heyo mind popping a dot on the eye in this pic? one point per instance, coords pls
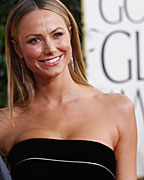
(58, 34)
(34, 40)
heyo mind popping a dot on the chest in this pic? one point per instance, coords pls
(67, 122)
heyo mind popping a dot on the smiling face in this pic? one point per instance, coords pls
(44, 43)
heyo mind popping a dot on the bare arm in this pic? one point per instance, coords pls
(126, 149)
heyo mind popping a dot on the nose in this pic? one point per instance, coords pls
(49, 47)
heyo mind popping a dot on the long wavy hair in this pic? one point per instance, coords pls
(20, 94)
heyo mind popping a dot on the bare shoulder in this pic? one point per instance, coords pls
(122, 109)
(4, 116)
(119, 101)
(121, 104)
(116, 101)
(4, 122)
(116, 105)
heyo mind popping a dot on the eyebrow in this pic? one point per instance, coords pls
(40, 34)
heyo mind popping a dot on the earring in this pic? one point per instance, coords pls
(23, 78)
(72, 63)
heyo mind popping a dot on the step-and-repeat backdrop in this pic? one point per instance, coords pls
(114, 48)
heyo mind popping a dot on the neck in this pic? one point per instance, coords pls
(56, 90)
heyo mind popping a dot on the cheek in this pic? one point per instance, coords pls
(32, 52)
(65, 44)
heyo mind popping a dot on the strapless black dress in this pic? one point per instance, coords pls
(41, 158)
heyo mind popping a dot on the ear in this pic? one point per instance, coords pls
(17, 49)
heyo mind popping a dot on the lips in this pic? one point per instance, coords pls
(51, 61)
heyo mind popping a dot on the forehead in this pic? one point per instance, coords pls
(41, 18)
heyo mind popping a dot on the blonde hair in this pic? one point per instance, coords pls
(20, 94)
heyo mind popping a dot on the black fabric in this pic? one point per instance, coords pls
(41, 157)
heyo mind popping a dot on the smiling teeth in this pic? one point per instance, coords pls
(52, 60)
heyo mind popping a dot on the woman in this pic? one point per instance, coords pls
(56, 123)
